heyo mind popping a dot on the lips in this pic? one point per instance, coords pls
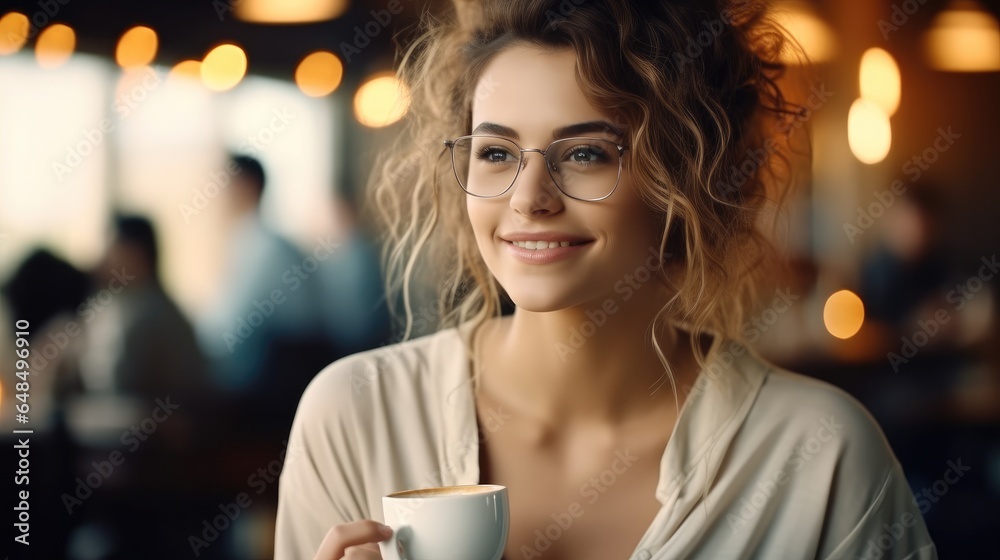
(537, 244)
(541, 247)
(548, 236)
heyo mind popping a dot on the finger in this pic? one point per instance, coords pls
(363, 552)
(340, 537)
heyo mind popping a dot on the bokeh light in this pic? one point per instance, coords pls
(880, 81)
(137, 47)
(13, 32)
(843, 314)
(319, 74)
(811, 33)
(381, 101)
(190, 69)
(289, 11)
(223, 67)
(869, 133)
(55, 45)
(964, 38)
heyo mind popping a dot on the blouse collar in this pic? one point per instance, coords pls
(712, 414)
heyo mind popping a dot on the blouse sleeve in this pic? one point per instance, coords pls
(891, 529)
(872, 512)
(320, 484)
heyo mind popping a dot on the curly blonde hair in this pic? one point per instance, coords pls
(695, 85)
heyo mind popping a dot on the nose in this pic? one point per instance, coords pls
(534, 193)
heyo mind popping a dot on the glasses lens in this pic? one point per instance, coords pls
(485, 165)
(585, 168)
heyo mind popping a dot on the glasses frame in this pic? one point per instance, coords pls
(520, 164)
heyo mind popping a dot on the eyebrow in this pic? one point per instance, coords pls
(563, 132)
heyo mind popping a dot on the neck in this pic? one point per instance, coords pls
(587, 365)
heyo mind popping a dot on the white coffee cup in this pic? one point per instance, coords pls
(447, 523)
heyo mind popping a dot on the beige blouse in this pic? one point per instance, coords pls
(793, 467)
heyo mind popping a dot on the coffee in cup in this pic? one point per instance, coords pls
(447, 523)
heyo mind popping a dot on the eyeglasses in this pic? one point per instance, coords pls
(586, 169)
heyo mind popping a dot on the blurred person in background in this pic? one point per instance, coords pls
(140, 342)
(46, 291)
(43, 287)
(264, 331)
(265, 302)
(355, 313)
(146, 396)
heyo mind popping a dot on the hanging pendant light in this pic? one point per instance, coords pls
(963, 38)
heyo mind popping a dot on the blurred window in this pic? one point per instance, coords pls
(79, 140)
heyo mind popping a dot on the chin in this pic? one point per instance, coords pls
(543, 299)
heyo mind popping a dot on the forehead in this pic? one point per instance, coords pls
(532, 90)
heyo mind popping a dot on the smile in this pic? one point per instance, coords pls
(544, 252)
(535, 245)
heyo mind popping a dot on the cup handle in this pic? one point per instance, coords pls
(397, 544)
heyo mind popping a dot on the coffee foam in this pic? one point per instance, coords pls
(442, 491)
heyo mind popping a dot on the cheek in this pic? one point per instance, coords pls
(473, 211)
(633, 219)
(481, 220)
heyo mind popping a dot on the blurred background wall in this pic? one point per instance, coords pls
(130, 244)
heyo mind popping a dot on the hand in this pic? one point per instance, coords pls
(353, 541)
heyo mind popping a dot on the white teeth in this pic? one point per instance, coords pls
(541, 244)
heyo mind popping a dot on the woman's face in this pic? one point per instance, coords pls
(528, 95)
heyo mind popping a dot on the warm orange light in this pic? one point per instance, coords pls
(289, 11)
(802, 22)
(13, 32)
(223, 67)
(55, 45)
(869, 133)
(190, 69)
(880, 80)
(319, 74)
(137, 47)
(964, 38)
(381, 101)
(843, 314)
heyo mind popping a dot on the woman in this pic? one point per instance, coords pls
(584, 179)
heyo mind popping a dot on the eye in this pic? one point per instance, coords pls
(495, 154)
(586, 154)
